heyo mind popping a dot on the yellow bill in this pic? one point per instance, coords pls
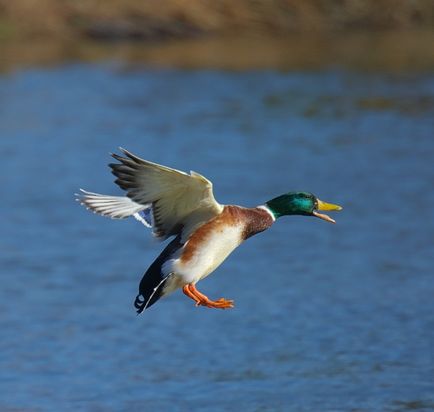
(323, 206)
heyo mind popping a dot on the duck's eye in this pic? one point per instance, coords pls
(315, 205)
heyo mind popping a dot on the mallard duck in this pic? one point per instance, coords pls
(182, 206)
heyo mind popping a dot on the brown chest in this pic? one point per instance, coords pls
(245, 221)
(256, 220)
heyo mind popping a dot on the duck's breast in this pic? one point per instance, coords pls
(210, 244)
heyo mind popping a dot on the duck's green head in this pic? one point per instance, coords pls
(300, 203)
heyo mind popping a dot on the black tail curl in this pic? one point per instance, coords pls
(139, 303)
(152, 284)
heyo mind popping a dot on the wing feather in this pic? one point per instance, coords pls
(178, 199)
(115, 207)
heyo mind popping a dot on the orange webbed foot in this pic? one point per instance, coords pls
(203, 300)
(224, 303)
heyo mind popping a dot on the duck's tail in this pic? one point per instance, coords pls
(115, 207)
(152, 285)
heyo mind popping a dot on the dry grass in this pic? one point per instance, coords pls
(159, 19)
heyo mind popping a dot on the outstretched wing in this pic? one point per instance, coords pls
(174, 195)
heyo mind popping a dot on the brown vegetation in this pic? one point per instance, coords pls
(161, 19)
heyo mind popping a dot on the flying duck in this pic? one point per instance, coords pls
(181, 206)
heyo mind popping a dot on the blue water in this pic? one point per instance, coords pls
(327, 317)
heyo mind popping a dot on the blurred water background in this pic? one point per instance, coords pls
(327, 317)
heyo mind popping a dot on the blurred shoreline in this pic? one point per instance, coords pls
(174, 19)
(385, 51)
(390, 35)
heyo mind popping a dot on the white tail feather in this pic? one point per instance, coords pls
(115, 207)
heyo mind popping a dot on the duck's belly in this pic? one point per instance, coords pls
(210, 244)
(202, 255)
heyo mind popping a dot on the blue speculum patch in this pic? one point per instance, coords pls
(147, 215)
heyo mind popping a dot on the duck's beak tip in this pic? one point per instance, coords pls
(328, 207)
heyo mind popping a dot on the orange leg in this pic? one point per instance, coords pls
(187, 292)
(203, 300)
